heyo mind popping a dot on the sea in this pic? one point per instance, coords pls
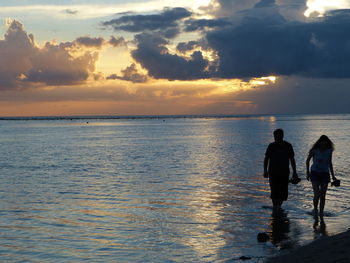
(160, 188)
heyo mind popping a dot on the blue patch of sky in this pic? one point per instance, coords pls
(60, 30)
(45, 26)
(66, 2)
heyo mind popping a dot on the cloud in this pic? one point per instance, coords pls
(90, 41)
(319, 7)
(165, 23)
(97, 42)
(15, 51)
(106, 99)
(24, 64)
(153, 55)
(70, 11)
(298, 95)
(54, 65)
(113, 91)
(97, 10)
(265, 3)
(225, 8)
(274, 46)
(201, 24)
(262, 42)
(130, 74)
(290, 9)
(117, 42)
(183, 47)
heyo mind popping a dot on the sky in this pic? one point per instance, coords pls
(158, 57)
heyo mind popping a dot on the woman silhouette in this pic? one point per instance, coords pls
(321, 169)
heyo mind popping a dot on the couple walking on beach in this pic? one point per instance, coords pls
(280, 154)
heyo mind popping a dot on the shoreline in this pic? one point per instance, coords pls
(324, 250)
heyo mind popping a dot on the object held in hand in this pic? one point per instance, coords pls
(336, 183)
(263, 237)
(295, 180)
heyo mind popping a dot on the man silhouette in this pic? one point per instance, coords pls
(276, 168)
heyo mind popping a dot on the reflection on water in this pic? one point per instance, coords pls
(281, 235)
(148, 190)
(320, 228)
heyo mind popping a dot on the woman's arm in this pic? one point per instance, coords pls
(308, 166)
(331, 168)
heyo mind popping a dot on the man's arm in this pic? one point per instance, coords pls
(292, 162)
(308, 166)
(266, 163)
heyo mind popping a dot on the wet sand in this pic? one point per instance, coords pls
(323, 250)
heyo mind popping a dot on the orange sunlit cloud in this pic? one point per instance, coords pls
(123, 98)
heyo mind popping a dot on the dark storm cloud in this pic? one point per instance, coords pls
(275, 46)
(259, 47)
(153, 55)
(90, 41)
(130, 74)
(201, 24)
(253, 42)
(183, 47)
(165, 22)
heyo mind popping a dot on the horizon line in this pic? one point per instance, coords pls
(160, 116)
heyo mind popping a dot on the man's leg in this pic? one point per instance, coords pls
(277, 203)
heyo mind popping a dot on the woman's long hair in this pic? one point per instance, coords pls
(323, 138)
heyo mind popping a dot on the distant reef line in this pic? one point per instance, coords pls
(268, 117)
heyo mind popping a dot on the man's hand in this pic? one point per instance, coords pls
(308, 175)
(266, 175)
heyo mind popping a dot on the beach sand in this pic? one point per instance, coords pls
(323, 250)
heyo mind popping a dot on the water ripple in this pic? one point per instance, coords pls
(184, 190)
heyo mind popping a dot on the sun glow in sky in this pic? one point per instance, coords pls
(321, 6)
(200, 3)
(117, 57)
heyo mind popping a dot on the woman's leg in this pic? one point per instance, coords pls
(323, 191)
(316, 189)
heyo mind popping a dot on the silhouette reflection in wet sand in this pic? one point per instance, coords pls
(280, 234)
(320, 228)
(285, 235)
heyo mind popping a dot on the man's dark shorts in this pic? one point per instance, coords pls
(279, 185)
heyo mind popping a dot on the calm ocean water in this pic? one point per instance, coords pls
(158, 190)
